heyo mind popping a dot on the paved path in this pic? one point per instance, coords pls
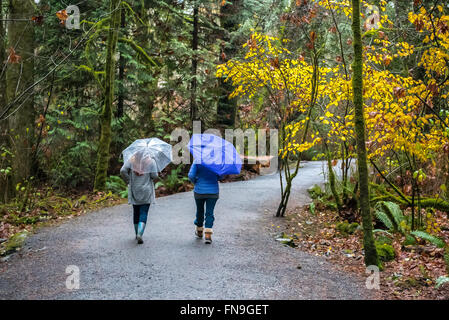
(244, 261)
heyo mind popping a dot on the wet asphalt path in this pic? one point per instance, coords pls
(244, 261)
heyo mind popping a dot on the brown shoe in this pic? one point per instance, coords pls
(208, 236)
(199, 232)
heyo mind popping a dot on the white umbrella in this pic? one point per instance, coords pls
(148, 155)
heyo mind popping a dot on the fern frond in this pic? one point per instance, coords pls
(382, 231)
(385, 219)
(446, 259)
(394, 211)
(441, 280)
(428, 237)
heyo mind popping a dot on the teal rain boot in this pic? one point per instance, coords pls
(136, 226)
(140, 230)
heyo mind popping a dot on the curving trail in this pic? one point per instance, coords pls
(244, 261)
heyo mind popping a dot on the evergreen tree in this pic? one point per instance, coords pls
(230, 19)
(19, 80)
(106, 116)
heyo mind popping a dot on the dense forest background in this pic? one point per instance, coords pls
(53, 79)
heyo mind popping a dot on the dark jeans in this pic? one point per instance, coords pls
(141, 213)
(210, 205)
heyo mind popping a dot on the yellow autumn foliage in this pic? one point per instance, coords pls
(398, 108)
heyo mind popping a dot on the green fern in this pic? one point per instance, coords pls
(117, 186)
(441, 280)
(382, 231)
(312, 208)
(385, 219)
(394, 214)
(428, 237)
(173, 180)
(394, 211)
(158, 184)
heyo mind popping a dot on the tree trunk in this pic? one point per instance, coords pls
(3, 124)
(148, 90)
(121, 76)
(194, 83)
(106, 115)
(229, 20)
(447, 178)
(2, 59)
(371, 257)
(285, 193)
(19, 77)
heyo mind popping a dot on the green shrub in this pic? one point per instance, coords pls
(346, 228)
(315, 192)
(74, 166)
(173, 180)
(382, 239)
(385, 251)
(116, 185)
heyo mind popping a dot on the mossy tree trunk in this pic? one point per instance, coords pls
(121, 75)
(447, 178)
(2, 59)
(106, 115)
(371, 257)
(194, 82)
(19, 77)
(119, 113)
(3, 124)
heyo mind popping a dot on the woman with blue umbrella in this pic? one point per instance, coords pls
(213, 159)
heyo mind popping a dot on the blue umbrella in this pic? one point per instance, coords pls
(215, 153)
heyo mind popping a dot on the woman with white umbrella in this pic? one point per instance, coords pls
(142, 161)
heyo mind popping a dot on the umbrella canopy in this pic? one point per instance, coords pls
(215, 153)
(148, 155)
